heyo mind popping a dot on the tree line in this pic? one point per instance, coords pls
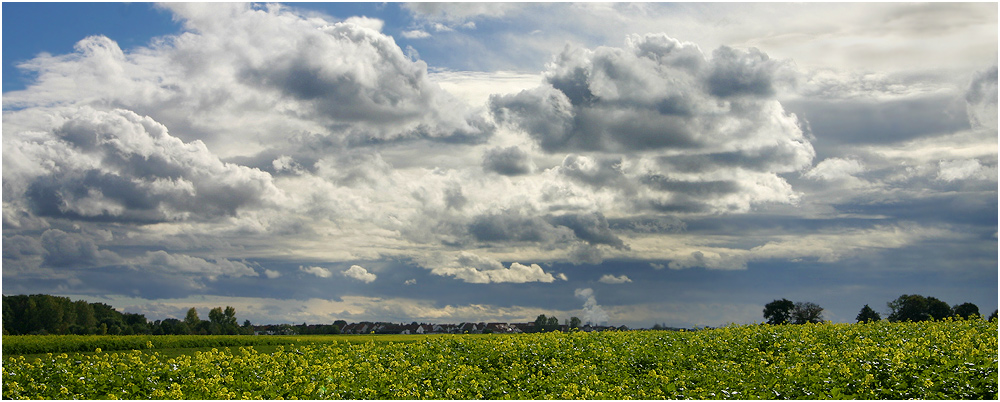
(904, 308)
(45, 314)
(549, 324)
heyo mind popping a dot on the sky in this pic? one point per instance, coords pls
(680, 164)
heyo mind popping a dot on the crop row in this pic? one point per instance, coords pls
(927, 360)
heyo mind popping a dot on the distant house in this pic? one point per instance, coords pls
(502, 328)
(470, 328)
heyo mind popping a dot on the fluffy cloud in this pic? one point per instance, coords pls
(652, 95)
(318, 271)
(119, 166)
(510, 161)
(835, 169)
(359, 273)
(62, 249)
(345, 82)
(525, 225)
(473, 268)
(960, 170)
(614, 280)
(715, 135)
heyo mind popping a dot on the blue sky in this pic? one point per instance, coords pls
(681, 164)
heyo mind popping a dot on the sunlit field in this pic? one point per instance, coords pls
(927, 360)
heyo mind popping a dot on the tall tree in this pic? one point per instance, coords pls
(553, 324)
(50, 314)
(540, 322)
(807, 312)
(966, 310)
(867, 314)
(85, 318)
(778, 311)
(191, 319)
(574, 322)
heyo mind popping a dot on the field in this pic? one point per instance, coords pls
(927, 360)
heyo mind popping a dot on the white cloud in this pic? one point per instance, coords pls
(614, 280)
(960, 170)
(415, 34)
(118, 165)
(370, 23)
(185, 264)
(271, 274)
(359, 273)
(410, 282)
(714, 134)
(473, 268)
(318, 271)
(459, 13)
(835, 169)
(338, 81)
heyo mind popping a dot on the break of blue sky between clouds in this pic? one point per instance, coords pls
(630, 163)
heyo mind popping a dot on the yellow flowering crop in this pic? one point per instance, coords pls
(928, 360)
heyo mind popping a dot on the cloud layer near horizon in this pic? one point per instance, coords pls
(268, 152)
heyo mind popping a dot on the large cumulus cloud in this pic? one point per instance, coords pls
(119, 166)
(261, 74)
(690, 131)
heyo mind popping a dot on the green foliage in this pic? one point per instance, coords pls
(45, 314)
(966, 310)
(807, 312)
(867, 314)
(778, 311)
(918, 308)
(950, 359)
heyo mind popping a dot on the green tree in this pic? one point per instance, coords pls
(937, 309)
(574, 322)
(778, 311)
(867, 314)
(908, 308)
(227, 323)
(111, 318)
(807, 312)
(917, 308)
(993, 316)
(136, 323)
(552, 324)
(191, 319)
(50, 314)
(540, 322)
(85, 318)
(966, 310)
